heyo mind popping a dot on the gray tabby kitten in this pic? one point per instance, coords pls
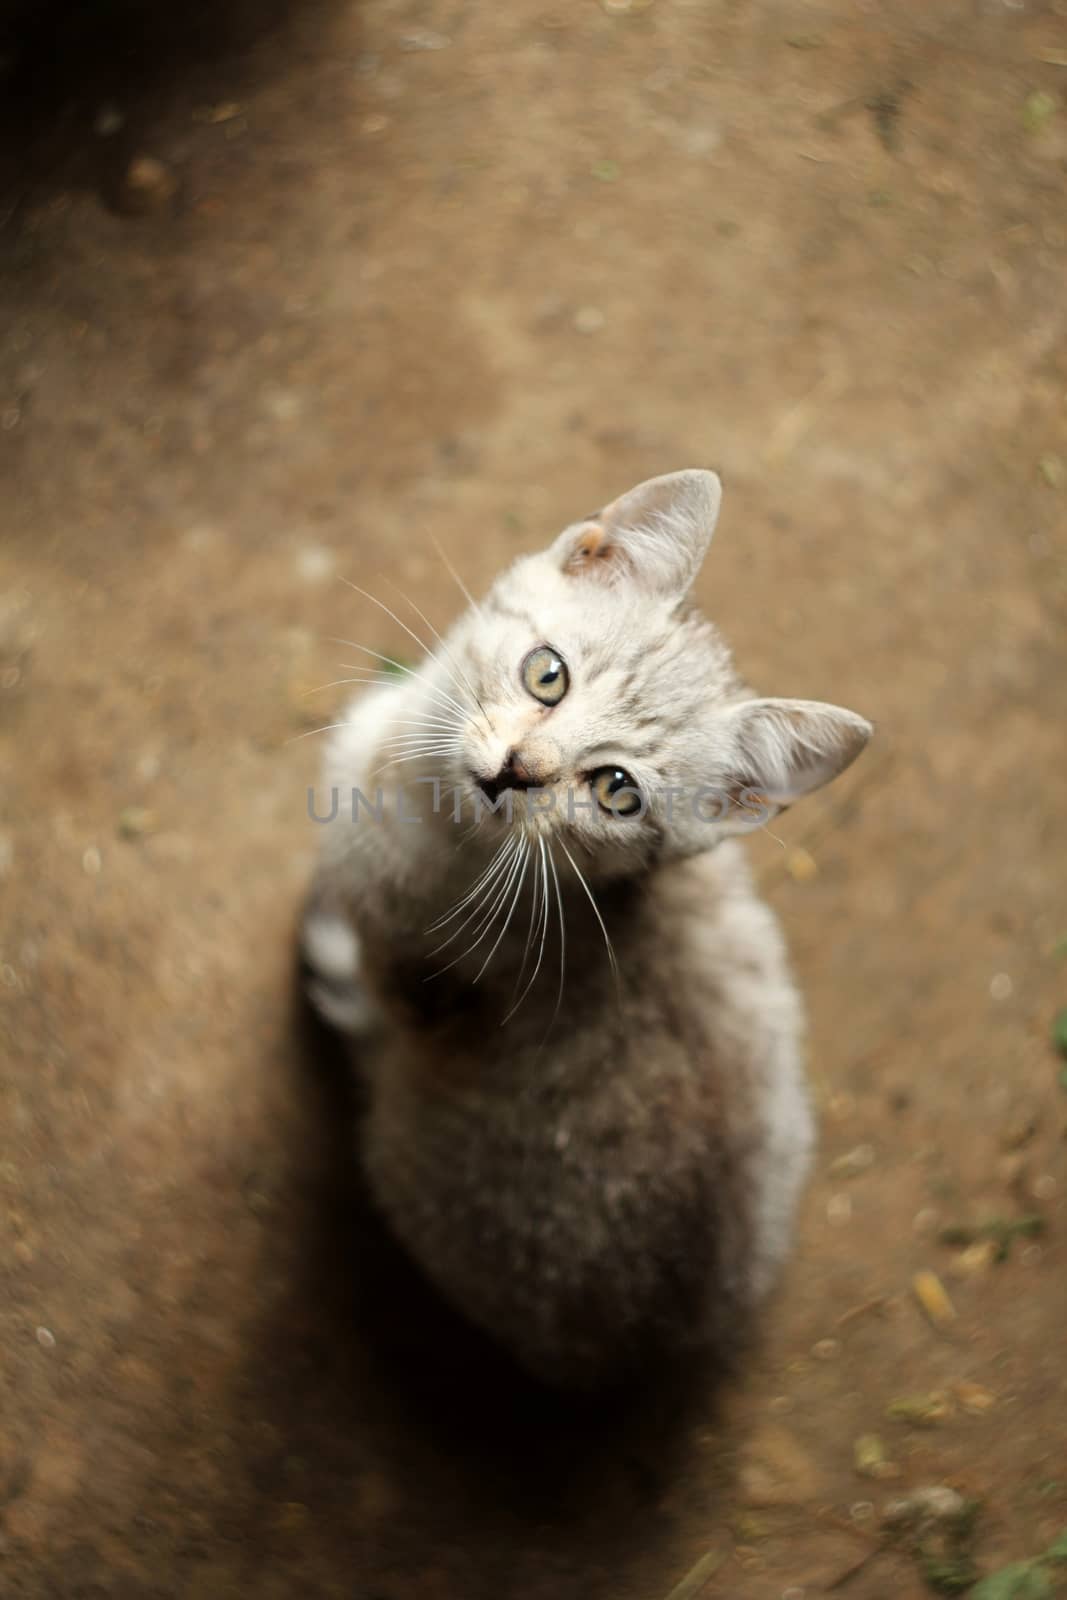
(588, 1120)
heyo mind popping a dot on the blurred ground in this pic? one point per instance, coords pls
(472, 269)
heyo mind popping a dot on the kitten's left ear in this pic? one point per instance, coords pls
(655, 535)
(778, 750)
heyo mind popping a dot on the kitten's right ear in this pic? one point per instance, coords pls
(655, 535)
(775, 751)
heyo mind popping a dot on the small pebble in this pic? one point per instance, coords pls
(1031, 1255)
(801, 865)
(920, 1410)
(859, 1160)
(314, 563)
(862, 1511)
(589, 319)
(375, 123)
(1038, 109)
(91, 861)
(135, 821)
(826, 1349)
(225, 112)
(839, 1210)
(975, 1260)
(869, 1457)
(927, 1220)
(974, 1398)
(147, 185)
(1053, 469)
(933, 1297)
(1044, 1187)
(1000, 986)
(46, 1338)
(938, 1503)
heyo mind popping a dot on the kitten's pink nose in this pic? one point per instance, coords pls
(514, 774)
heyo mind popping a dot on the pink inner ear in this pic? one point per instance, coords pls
(590, 545)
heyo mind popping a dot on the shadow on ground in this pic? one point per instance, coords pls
(83, 87)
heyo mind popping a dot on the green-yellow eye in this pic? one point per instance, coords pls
(545, 675)
(616, 791)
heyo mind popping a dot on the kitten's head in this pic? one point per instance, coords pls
(610, 715)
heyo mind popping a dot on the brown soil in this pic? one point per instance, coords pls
(415, 265)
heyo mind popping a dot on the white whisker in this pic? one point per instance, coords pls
(400, 624)
(430, 688)
(503, 849)
(469, 833)
(434, 739)
(335, 683)
(413, 755)
(543, 925)
(596, 910)
(328, 728)
(448, 723)
(409, 752)
(562, 935)
(511, 912)
(444, 647)
(450, 569)
(500, 893)
(530, 926)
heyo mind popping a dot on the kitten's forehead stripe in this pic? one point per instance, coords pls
(502, 610)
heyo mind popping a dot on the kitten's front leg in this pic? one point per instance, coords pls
(333, 959)
(330, 945)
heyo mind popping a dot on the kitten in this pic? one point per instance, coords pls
(588, 1121)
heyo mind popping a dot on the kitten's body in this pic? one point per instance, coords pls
(611, 1172)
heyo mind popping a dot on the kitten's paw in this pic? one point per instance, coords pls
(333, 983)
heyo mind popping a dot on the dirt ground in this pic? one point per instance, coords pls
(471, 269)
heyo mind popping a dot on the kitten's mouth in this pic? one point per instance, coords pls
(509, 802)
(512, 775)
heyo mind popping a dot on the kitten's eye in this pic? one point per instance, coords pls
(616, 791)
(545, 675)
